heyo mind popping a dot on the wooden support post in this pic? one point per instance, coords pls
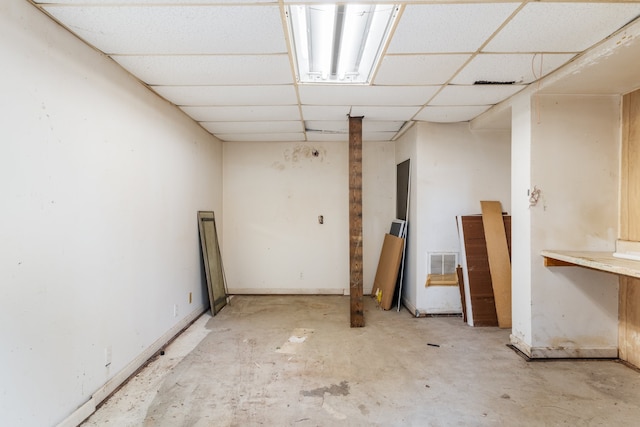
(355, 221)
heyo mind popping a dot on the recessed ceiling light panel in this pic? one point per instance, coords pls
(339, 43)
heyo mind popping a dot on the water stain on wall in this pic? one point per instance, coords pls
(304, 152)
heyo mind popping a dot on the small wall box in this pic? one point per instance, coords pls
(398, 227)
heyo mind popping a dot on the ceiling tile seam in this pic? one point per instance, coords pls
(594, 53)
(392, 32)
(142, 5)
(504, 24)
(238, 106)
(292, 66)
(363, 105)
(250, 121)
(471, 58)
(224, 85)
(182, 55)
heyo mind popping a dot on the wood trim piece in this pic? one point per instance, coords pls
(601, 261)
(623, 232)
(552, 262)
(622, 317)
(355, 222)
(463, 297)
(633, 164)
(629, 320)
(499, 260)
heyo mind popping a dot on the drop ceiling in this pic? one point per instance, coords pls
(227, 64)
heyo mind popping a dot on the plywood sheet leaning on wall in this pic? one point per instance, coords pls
(499, 260)
(629, 293)
(384, 284)
(481, 309)
(629, 320)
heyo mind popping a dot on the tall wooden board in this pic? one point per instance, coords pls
(499, 260)
(629, 293)
(384, 283)
(355, 222)
(482, 308)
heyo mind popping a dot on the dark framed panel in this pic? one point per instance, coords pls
(212, 261)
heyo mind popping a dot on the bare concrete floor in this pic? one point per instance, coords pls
(294, 361)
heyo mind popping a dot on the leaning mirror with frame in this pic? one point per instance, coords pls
(212, 261)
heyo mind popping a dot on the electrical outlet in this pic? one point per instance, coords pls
(107, 356)
(175, 310)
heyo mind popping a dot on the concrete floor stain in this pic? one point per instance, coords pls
(334, 390)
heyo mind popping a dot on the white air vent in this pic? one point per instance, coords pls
(443, 263)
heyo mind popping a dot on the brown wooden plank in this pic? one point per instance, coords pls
(630, 320)
(483, 308)
(622, 317)
(384, 283)
(499, 260)
(355, 222)
(629, 291)
(463, 297)
(633, 164)
(551, 262)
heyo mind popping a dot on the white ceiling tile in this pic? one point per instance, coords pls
(520, 68)
(365, 95)
(229, 95)
(266, 137)
(333, 113)
(343, 137)
(272, 126)
(437, 28)
(475, 95)
(243, 114)
(616, 75)
(337, 113)
(384, 113)
(209, 69)
(182, 30)
(342, 126)
(562, 27)
(148, 2)
(327, 137)
(418, 69)
(332, 1)
(450, 114)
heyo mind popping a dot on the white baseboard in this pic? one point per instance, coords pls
(564, 352)
(88, 408)
(412, 308)
(287, 291)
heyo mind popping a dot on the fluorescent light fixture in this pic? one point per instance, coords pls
(339, 43)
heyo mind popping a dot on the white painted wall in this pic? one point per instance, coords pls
(100, 183)
(378, 203)
(273, 195)
(407, 148)
(521, 251)
(457, 168)
(574, 160)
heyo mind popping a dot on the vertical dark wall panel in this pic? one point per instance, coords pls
(402, 189)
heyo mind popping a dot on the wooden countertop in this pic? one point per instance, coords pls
(602, 261)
